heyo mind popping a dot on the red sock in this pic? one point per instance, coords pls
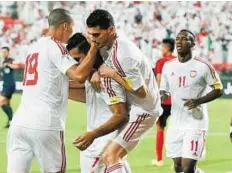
(159, 144)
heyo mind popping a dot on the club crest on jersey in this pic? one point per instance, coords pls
(172, 74)
(193, 73)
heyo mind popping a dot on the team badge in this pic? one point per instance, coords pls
(193, 73)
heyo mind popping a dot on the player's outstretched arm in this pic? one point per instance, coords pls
(109, 72)
(81, 72)
(119, 118)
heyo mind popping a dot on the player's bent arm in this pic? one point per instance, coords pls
(76, 85)
(108, 72)
(141, 92)
(81, 72)
(15, 65)
(215, 93)
(77, 95)
(119, 118)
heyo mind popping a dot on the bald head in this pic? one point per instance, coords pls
(59, 16)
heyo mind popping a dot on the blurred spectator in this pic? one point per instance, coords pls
(146, 23)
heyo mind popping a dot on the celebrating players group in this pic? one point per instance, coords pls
(112, 76)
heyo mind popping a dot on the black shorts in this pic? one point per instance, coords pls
(8, 91)
(162, 121)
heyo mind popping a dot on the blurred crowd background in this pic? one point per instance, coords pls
(146, 23)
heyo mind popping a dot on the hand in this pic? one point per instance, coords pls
(95, 81)
(106, 71)
(85, 140)
(191, 103)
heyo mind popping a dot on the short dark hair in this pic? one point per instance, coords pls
(101, 18)
(188, 31)
(59, 16)
(6, 48)
(78, 41)
(170, 42)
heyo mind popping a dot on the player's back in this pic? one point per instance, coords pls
(45, 91)
(133, 64)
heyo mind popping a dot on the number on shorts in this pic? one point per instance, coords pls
(31, 69)
(194, 145)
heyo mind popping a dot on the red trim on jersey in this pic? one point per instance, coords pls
(61, 47)
(116, 62)
(107, 84)
(63, 165)
(133, 127)
(97, 159)
(114, 167)
(110, 87)
(212, 71)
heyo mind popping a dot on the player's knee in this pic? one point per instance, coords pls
(110, 158)
(188, 168)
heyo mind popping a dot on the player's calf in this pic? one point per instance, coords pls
(188, 165)
(113, 154)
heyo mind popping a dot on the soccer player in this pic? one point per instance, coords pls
(8, 87)
(168, 46)
(143, 97)
(186, 79)
(38, 126)
(100, 109)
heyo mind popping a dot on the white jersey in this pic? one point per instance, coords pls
(45, 92)
(189, 80)
(98, 112)
(132, 65)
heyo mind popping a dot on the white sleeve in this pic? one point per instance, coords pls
(130, 69)
(112, 92)
(63, 62)
(164, 85)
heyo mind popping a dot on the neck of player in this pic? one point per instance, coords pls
(111, 41)
(54, 33)
(184, 57)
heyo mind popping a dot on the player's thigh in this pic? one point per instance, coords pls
(194, 143)
(19, 150)
(86, 162)
(49, 149)
(174, 143)
(133, 131)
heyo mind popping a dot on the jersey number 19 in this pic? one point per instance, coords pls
(31, 69)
